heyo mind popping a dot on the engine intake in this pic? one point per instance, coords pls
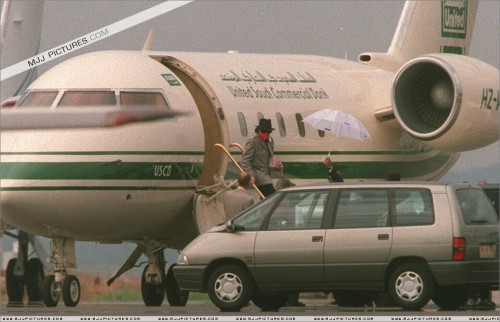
(437, 97)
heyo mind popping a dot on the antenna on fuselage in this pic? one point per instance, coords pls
(149, 40)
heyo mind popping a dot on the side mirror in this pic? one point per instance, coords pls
(232, 227)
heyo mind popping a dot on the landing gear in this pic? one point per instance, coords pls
(152, 294)
(60, 283)
(24, 274)
(71, 291)
(154, 282)
(50, 291)
(34, 280)
(15, 284)
(175, 296)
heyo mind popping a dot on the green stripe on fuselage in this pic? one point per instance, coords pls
(191, 171)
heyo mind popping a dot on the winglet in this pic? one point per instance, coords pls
(149, 40)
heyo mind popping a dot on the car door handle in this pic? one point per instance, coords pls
(383, 236)
(317, 239)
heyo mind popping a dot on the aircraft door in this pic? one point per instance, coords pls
(207, 211)
(212, 117)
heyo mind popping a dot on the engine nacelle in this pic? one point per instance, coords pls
(448, 101)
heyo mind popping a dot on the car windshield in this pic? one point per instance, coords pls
(253, 218)
(476, 207)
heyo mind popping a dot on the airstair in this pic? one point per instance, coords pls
(208, 203)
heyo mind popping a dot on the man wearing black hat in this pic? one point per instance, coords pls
(256, 160)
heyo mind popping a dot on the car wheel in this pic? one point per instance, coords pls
(269, 302)
(230, 287)
(451, 297)
(411, 286)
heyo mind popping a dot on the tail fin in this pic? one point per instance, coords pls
(428, 27)
(21, 26)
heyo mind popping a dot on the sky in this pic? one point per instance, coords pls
(327, 28)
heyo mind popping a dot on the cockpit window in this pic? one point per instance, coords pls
(88, 98)
(142, 99)
(38, 99)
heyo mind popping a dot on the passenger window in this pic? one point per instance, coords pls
(475, 207)
(142, 99)
(88, 98)
(281, 124)
(321, 133)
(38, 99)
(299, 210)
(300, 125)
(362, 209)
(413, 207)
(243, 124)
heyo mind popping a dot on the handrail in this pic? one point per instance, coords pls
(232, 145)
(238, 166)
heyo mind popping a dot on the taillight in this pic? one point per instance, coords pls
(458, 248)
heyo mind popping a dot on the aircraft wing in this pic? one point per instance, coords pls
(79, 117)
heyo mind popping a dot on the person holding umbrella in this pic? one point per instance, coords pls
(335, 176)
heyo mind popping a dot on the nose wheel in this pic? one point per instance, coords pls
(53, 287)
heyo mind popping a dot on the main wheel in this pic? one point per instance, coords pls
(15, 285)
(270, 302)
(34, 279)
(175, 296)
(451, 297)
(230, 287)
(152, 294)
(71, 291)
(411, 286)
(50, 292)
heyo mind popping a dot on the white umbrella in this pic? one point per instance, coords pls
(338, 123)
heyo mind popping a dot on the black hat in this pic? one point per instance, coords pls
(265, 125)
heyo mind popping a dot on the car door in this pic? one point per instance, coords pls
(290, 251)
(358, 245)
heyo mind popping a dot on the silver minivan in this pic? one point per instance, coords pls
(409, 241)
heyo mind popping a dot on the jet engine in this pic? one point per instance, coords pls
(448, 101)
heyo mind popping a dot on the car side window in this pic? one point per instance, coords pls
(412, 207)
(299, 210)
(254, 217)
(362, 208)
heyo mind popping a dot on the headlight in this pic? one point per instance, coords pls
(182, 260)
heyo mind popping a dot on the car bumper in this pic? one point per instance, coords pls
(190, 278)
(466, 273)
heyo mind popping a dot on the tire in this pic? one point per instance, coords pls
(175, 296)
(152, 294)
(71, 291)
(34, 279)
(14, 284)
(270, 302)
(411, 286)
(50, 295)
(230, 288)
(451, 297)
